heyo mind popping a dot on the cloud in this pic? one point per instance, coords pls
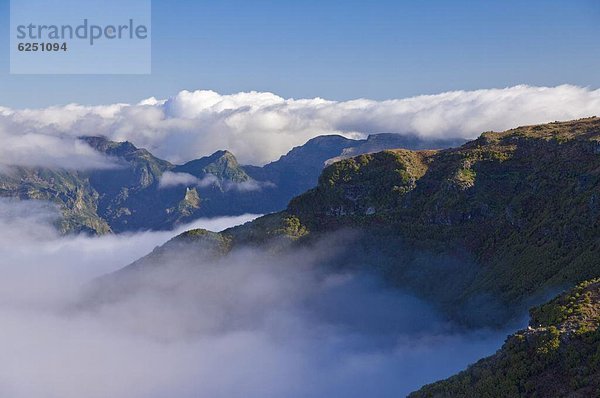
(260, 127)
(249, 325)
(170, 179)
(248, 186)
(43, 150)
(40, 262)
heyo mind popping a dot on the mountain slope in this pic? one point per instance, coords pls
(71, 191)
(128, 195)
(527, 197)
(479, 229)
(557, 356)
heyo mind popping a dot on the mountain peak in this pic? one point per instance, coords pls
(225, 154)
(222, 164)
(104, 145)
(125, 150)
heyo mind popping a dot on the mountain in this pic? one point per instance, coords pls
(558, 355)
(221, 164)
(71, 191)
(128, 197)
(134, 196)
(299, 170)
(482, 230)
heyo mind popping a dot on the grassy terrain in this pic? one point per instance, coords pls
(557, 356)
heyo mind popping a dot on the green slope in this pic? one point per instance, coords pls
(557, 356)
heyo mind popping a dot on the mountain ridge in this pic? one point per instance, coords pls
(130, 196)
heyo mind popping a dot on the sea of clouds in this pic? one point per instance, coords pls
(252, 324)
(259, 127)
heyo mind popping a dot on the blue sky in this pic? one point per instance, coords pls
(338, 50)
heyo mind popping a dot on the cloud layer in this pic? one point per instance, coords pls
(259, 127)
(249, 325)
(36, 261)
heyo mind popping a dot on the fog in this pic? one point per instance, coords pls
(169, 179)
(251, 324)
(37, 262)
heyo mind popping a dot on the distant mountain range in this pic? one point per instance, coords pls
(148, 193)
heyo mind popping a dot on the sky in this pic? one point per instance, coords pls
(338, 50)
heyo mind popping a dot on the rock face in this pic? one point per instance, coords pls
(558, 355)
